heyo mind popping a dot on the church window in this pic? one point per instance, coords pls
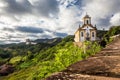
(81, 34)
(93, 34)
(87, 22)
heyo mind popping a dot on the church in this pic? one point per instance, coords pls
(86, 32)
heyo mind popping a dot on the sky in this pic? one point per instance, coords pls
(35, 19)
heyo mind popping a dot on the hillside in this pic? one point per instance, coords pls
(14, 57)
(53, 59)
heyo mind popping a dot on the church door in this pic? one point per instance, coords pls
(87, 38)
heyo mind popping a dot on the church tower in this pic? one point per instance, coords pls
(87, 19)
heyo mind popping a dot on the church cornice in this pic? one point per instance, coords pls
(84, 25)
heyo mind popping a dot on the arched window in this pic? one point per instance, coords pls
(82, 34)
(87, 22)
(93, 35)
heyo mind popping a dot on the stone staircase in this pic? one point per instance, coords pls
(105, 65)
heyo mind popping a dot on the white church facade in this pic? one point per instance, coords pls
(86, 32)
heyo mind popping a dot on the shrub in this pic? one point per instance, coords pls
(15, 60)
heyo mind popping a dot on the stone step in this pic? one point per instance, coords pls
(102, 65)
(108, 54)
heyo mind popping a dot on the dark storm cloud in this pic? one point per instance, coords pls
(8, 29)
(15, 41)
(45, 7)
(27, 29)
(17, 8)
(13, 36)
(104, 22)
(46, 36)
(61, 34)
(33, 35)
(41, 7)
(2, 22)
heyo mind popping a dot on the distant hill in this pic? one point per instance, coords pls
(52, 41)
(49, 41)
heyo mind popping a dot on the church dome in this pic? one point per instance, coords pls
(87, 16)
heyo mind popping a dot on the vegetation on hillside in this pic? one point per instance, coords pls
(100, 33)
(9, 54)
(114, 30)
(50, 60)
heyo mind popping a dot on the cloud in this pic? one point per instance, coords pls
(61, 34)
(101, 11)
(17, 9)
(46, 7)
(27, 29)
(21, 19)
(70, 3)
(9, 41)
(115, 20)
(8, 29)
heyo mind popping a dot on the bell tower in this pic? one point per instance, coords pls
(87, 19)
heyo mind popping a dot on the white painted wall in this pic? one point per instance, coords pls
(82, 39)
(93, 39)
